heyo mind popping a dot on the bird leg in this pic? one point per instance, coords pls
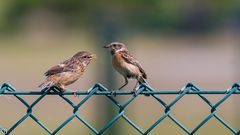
(126, 82)
(61, 88)
(135, 88)
(114, 92)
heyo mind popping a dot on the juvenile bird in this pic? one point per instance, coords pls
(126, 64)
(68, 71)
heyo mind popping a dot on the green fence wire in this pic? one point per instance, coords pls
(99, 89)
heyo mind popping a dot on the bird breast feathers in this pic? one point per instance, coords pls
(123, 67)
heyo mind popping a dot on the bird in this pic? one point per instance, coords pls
(126, 64)
(68, 71)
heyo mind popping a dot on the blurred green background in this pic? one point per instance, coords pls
(175, 41)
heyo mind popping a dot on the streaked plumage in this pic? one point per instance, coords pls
(68, 71)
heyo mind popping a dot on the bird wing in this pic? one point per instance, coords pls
(65, 66)
(131, 60)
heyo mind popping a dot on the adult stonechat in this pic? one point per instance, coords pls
(126, 64)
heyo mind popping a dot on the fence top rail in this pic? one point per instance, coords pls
(7, 89)
(160, 92)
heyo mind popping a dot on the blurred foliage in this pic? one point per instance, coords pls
(152, 14)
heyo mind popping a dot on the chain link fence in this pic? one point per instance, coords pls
(99, 89)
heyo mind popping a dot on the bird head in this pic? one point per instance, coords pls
(84, 57)
(115, 47)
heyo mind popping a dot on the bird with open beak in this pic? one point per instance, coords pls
(68, 71)
(126, 64)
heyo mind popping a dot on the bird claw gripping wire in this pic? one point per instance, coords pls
(145, 87)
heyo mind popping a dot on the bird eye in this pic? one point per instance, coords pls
(85, 56)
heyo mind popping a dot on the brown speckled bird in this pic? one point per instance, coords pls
(68, 71)
(126, 64)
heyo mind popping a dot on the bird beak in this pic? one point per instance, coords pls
(93, 56)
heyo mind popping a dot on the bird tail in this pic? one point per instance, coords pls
(46, 84)
(142, 80)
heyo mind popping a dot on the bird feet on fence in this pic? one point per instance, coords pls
(113, 93)
(135, 92)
